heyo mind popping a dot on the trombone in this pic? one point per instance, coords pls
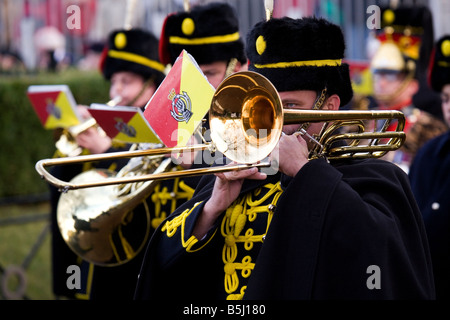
(246, 119)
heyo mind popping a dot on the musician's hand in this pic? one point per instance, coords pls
(83, 111)
(291, 153)
(226, 189)
(93, 140)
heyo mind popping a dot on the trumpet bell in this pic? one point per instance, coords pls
(246, 117)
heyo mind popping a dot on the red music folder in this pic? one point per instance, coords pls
(123, 123)
(54, 106)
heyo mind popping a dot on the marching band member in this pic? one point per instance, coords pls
(318, 229)
(213, 21)
(210, 33)
(399, 77)
(429, 175)
(130, 62)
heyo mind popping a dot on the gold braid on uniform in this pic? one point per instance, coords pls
(161, 195)
(245, 210)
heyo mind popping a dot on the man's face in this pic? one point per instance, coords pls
(214, 72)
(128, 86)
(388, 89)
(300, 100)
(445, 95)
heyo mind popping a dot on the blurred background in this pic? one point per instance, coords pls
(60, 42)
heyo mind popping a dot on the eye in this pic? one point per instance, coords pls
(210, 73)
(291, 105)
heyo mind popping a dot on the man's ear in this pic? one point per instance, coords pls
(413, 87)
(240, 67)
(332, 103)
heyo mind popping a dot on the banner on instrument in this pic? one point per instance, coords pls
(180, 103)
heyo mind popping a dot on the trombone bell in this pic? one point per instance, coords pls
(246, 117)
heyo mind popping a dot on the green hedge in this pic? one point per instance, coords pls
(23, 139)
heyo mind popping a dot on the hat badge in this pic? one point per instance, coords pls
(445, 48)
(389, 16)
(188, 26)
(120, 41)
(261, 45)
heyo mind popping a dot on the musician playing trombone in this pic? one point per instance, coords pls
(132, 83)
(207, 40)
(317, 229)
(210, 33)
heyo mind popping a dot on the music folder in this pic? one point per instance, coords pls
(123, 123)
(54, 105)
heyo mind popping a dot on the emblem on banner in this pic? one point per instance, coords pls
(53, 109)
(181, 106)
(125, 128)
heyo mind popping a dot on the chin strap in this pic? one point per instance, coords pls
(318, 104)
(141, 92)
(230, 67)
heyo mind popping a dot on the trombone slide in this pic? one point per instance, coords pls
(65, 186)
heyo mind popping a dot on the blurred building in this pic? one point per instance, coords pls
(21, 19)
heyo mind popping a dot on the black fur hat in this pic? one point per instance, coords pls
(134, 50)
(439, 74)
(300, 54)
(208, 32)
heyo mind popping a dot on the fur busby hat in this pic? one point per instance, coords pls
(300, 54)
(133, 50)
(439, 72)
(208, 32)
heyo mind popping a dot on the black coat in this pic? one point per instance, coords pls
(429, 175)
(337, 230)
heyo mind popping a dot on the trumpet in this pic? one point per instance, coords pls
(246, 119)
(66, 143)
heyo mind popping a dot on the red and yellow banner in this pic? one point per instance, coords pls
(180, 103)
(54, 106)
(361, 77)
(125, 124)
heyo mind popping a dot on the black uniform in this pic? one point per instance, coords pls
(429, 178)
(119, 282)
(349, 230)
(429, 181)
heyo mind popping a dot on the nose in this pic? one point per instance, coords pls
(116, 89)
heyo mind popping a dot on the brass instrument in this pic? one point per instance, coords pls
(66, 143)
(246, 119)
(93, 221)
